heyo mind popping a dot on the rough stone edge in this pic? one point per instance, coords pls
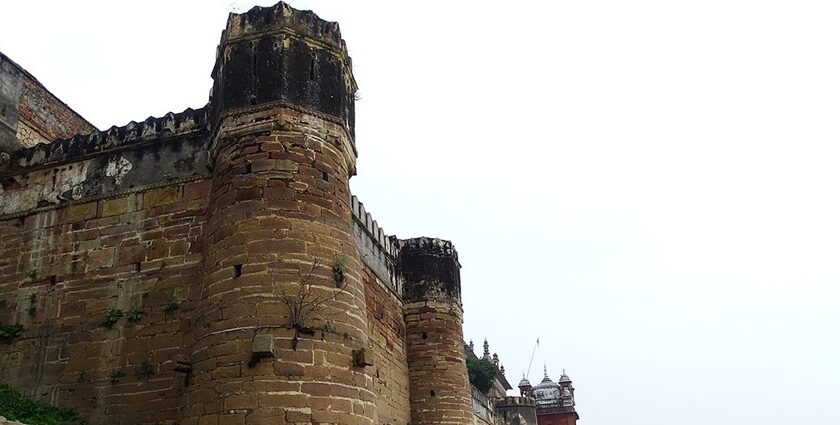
(81, 147)
(381, 240)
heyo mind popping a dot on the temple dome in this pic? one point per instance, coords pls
(547, 391)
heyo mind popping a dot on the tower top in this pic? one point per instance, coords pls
(280, 55)
(430, 270)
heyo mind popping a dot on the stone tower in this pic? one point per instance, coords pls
(434, 336)
(279, 237)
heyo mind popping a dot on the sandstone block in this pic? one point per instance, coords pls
(263, 346)
(116, 206)
(76, 213)
(101, 259)
(161, 196)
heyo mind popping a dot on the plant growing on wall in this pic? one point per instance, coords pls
(33, 304)
(306, 300)
(135, 314)
(340, 271)
(116, 376)
(111, 318)
(145, 370)
(7, 332)
(14, 406)
(171, 305)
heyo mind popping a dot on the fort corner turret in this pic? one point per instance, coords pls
(434, 333)
(279, 226)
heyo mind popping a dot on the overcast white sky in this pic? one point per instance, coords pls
(649, 187)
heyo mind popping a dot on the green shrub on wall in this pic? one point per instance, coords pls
(7, 332)
(482, 373)
(14, 406)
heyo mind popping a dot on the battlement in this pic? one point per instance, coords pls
(282, 17)
(115, 138)
(378, 250)
(421, 261)
(119, 160)
(429, 246)
(516, 401)
(515, 410)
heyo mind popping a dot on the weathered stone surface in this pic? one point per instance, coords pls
(149, 263)
(29, 113)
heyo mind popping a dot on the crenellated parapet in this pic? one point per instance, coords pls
(120, 160)
(416, 268)
(516, 401)
(131, 135)
(377, 249)
(282, 18)
(516, 410)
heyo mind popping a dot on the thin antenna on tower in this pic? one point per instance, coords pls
(532, 357)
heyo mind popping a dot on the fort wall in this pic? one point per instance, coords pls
(212, 267)
(105, 291)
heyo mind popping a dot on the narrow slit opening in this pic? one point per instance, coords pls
(312, 68)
